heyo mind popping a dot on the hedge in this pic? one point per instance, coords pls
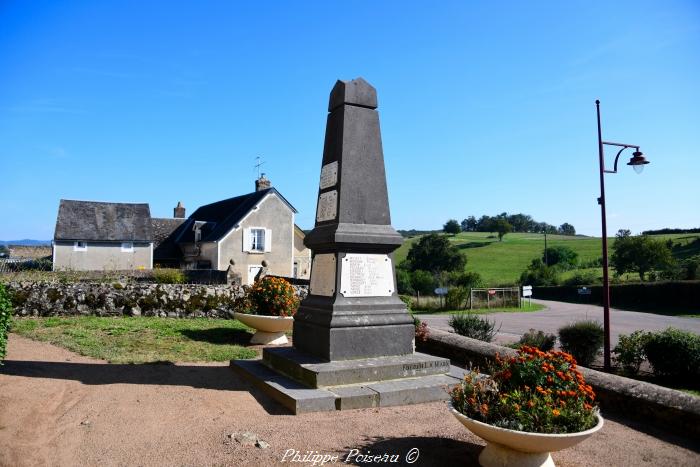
(669, 296)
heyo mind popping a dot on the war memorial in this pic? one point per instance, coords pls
(353, 336)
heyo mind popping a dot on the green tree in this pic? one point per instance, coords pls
(501, 227)
(469, 224)
(561, 255)
(452, 227)
(403, 281)
(435, 253)
(423, 282)
(567, 229)
(640, 254)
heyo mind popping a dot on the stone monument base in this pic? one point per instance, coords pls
(305, 384)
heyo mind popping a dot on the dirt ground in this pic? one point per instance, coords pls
(58, 408)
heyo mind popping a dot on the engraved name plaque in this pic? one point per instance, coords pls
(366, 276)
(323, 275)
(329, 175)
(327, 206)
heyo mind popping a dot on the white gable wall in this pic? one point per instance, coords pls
(277, 218)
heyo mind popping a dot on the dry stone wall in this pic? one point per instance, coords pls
(117, 299)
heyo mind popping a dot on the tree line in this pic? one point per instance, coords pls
(505, 223)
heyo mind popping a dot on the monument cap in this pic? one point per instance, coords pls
(356, 92)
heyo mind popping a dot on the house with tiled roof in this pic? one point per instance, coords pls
(238, 234)
(93, 235)
(242, 232)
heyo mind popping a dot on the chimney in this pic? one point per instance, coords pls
(262, 183)
(179, 211)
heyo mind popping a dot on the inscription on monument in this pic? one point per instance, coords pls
(425, 365)
(327, 206)
(366, 276)
(323, 275)
(329, 175)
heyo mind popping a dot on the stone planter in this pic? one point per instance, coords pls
(270, 329)
(507, 448)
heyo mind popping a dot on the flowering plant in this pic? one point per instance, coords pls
(273, 296)
(535, 391)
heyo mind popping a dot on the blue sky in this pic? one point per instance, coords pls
(485, 107)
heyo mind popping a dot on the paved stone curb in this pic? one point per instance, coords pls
(653, 405)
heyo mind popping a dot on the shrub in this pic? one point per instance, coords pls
(456, 298)
(537, 392)
(538, 339)
(5, 315)
(539, 273)
(474, 326)
(168, 276)
(421, 330)
(582, 278)
(423, 282)
(403, 282)
(273, 296)
(583, 340)
(629, 351)
(674, 353)
(562, 256)
(466, 279)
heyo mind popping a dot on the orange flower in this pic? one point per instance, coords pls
(555, 412)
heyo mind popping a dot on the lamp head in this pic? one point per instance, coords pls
(638, 161)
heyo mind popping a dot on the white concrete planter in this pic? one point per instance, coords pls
(270, 329)
(507, 448)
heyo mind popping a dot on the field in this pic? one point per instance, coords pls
(501, 263)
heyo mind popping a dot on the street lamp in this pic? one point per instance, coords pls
(637, 161)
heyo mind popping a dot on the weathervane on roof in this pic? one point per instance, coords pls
(258, 164)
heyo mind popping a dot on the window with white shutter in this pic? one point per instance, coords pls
(257, 240)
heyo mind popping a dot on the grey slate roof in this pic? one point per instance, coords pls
(165, 230)
(222, 216)
(98, 221)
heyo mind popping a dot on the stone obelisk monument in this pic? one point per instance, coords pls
(353, 337)
(353, 309)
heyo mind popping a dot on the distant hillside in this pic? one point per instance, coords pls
(414, 232)
(503, 262)
(26, 242)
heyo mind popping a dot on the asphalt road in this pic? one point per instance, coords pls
(558, 314)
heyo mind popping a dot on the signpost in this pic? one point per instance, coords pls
(441, 292)
(527, 292)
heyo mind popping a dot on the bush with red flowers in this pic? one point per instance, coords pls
(272, 296)
(535, 391)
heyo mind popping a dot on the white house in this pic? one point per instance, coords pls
(92, 235)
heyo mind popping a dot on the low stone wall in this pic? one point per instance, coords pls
(131, 299)
(653, 405)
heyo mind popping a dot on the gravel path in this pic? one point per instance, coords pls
(58, 408)
(558, 314)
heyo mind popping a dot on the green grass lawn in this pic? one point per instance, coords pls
(483, 311)
(141, 340)
(501, 263)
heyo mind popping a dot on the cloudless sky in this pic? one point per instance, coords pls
(485, 107)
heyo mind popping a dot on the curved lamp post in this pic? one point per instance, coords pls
(637, 161)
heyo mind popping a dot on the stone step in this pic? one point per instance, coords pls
(316, 373)
(299, 398)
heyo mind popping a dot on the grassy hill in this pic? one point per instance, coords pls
(502, 262)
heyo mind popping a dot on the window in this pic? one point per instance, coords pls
(80, 246)
(256, 240)
(128, 247)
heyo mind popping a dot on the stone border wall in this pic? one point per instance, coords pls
(653, 405)
(116, 299)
